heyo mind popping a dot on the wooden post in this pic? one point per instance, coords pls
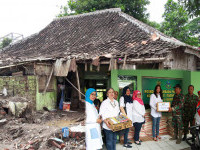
(78, 83)
(90, 67)
(34, 68)
(115, 64)
(124, 64)
(161, 65)
(48, 81)
(98, 67)
(85, 66)
(111, 64)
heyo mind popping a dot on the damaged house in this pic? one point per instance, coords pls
(99, 49)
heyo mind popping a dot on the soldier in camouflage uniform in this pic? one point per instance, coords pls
(189, 110)
(177, 112)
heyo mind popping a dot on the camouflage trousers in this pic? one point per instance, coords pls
(186, 121)
(177, 122)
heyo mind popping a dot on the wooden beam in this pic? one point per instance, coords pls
(161, 65)
(105, 62)
(146, 59)
(48, 81)
(115, 66)
(98, 67)
(86, 67)
(124, 64)
(90, 67)
(78, 83)
(110, 64)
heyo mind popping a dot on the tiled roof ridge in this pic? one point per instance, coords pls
(145, 27)
(151, 30)
(90, 13)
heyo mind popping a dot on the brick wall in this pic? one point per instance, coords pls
(23, 86)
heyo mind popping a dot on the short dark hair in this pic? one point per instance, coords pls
(190, 86)
(108, 89)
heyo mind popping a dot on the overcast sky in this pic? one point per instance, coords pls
(30, 16)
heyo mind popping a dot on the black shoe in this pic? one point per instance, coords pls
(127, 146)
(129, 143)
(184, 138)
(138, 143)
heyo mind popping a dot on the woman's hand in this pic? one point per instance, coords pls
(107, 123)
(99, 120)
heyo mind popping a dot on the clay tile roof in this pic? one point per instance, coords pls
(90, 35)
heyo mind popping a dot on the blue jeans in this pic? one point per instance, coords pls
(138, 127)
(111, 139)
(155, 126)
(126, 136)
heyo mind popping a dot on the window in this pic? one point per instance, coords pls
(42, 81)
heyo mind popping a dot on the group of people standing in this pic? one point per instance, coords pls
(132, 106)
(184, 112)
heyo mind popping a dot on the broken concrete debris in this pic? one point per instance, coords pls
(41, 130)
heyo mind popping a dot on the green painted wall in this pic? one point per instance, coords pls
(23, 86)
(195, 80)
(48, 99)
(187, 77)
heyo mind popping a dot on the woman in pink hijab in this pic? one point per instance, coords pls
(138, 115)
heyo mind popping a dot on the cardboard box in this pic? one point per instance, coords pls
(119, 123)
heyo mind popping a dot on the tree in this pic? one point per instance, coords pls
(192, 6)
(135, 8)
(194, 26)
(154, 24)
(194, 31)
(5, 42)
(176, 23)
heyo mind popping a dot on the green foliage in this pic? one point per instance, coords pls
(153, 24)
(192, 6)
(176, 23)
(5, 42)
(135, 8)
(194, 26)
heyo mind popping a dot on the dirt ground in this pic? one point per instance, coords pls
(34, 130)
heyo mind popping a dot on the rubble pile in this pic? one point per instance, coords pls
(42, 130)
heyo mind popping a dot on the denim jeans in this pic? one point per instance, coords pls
(138, 127)
(126, 136)
(111, 139)
(155, 126)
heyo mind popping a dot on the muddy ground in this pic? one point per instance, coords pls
(33, 130)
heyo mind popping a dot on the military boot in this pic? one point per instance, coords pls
(174, 137)
(185, 137)
(178, 141)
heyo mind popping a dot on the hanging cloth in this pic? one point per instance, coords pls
(61, 100)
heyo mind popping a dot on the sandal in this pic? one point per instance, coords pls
(155, 139)
(158, 137)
